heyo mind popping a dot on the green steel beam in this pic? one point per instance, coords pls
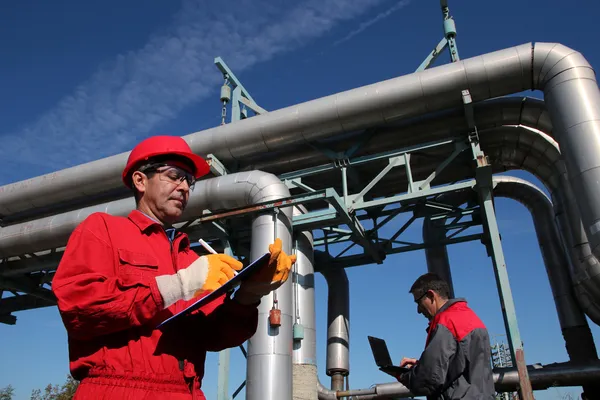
(400, 231)
(430, 59)
(421, 194)
(355, 225)
(8, 319)
(231, 76)
(365, 159)
(485, 188)
(364, 259)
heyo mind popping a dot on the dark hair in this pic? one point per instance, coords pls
(430, 281)
(152, 162)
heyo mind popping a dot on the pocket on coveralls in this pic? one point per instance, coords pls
(134, 266)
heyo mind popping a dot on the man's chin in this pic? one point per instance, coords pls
(174, 215)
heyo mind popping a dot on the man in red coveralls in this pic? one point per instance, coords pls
(119, 277)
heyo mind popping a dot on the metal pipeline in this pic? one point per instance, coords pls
(505, 380)
(304, 356)
(563, 74)
(338, 326)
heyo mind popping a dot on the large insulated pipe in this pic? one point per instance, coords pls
(442, 125)
(338, 326)
(505, 380)
(519, 147)
(304, 356)
(565, 76)
(269, 360)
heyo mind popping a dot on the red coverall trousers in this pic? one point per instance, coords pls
(110, 305)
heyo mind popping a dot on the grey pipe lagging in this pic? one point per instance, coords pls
(539, 154)
(306, 381)
(563, 74)
(338, 332)
(304, 356)
(338, 326)
(512, 146)
(505, 380)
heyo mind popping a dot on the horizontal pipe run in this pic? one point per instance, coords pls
(505, 380)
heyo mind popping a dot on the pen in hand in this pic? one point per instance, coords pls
(211, 250)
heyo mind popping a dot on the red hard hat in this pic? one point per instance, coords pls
(159, 146)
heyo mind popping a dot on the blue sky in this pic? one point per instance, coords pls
(84, 80)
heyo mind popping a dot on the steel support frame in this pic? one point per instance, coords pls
(449, 40)
(239, 94)
(485, 187)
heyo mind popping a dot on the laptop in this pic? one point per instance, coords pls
(383, 359)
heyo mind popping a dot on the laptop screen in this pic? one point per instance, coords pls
(380, 352)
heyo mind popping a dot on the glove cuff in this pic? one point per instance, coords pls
(170, 289)
(193, 278)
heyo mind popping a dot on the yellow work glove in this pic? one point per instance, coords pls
(206, 274)
(269, 278)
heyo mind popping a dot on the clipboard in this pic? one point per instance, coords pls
(231, 284)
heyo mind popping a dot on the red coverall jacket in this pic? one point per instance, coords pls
(110, 304)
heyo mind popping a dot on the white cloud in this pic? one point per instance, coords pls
(138, 90)
(364, 25)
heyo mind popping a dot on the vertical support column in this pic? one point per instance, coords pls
(236, 113)
(223, 379)
(304, 355)
(224, 357)
(338, 327)
(484, 188)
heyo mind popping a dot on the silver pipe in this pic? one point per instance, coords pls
(229, 191)
(269, 361)
(45, 233)
(540, 207)
(450, 123)
(490, 75)
(507, 380)
(304, 356)
(338, 323)
(573, 100)
(535, 152)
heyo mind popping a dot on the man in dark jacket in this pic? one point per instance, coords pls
(456, 361)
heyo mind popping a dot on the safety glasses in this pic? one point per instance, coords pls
(171, 174)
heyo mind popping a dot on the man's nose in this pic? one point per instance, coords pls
(184, 186)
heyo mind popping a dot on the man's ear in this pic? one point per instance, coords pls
(138, 181)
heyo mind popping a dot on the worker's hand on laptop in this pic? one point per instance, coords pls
(269, 278)
(408, 362)
(206, 274)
